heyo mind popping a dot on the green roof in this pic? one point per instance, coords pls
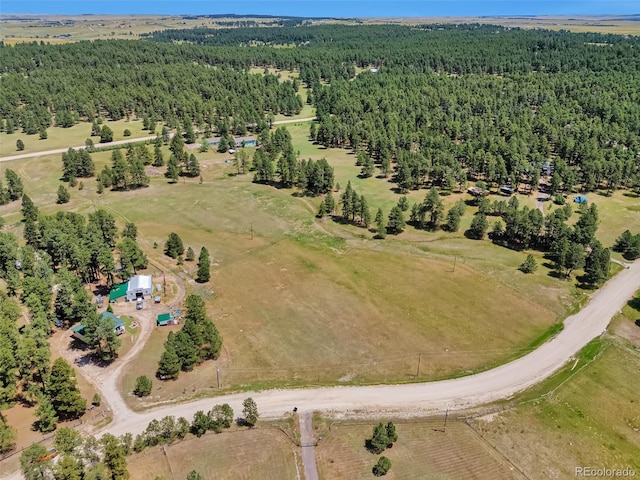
(116, 321)
(118, 291)
(163, 317)
(78, 330)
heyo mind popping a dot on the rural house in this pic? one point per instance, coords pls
(78, 330)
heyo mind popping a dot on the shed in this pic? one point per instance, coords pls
(506, 189)
(166, 319)
(78, 330)
(139, 286)
(580, 199)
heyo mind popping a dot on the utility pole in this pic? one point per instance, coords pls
(218, 376)
(418, 371)
(446, 415)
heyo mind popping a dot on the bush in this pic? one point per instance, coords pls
(96, 400)
(143, 386)
(19, 145)
(127, 132)
(382, 467)
(558, 199)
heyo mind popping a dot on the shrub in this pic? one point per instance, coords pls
(529, 265)
(382, 467)
(143, 386)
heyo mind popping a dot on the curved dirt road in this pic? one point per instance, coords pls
(419, 399)
(424, 398)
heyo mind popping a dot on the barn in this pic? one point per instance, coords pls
(139, 286)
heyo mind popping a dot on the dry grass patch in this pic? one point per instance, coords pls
(592, 420)
(421, 452)
(258, 454)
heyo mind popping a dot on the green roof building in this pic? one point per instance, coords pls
(78, 330)
(118, 291)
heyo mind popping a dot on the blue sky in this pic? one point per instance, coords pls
(334, 8)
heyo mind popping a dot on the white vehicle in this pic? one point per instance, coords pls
(139, 303)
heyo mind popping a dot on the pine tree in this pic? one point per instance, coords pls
(170, 364)
(29, 210)
(365, 214)
(191, 256)
(379, 220)
(64, 392)
(46, 414)
(204, 266)
(173, 247)
(396, 222)
(63, 195)
(329, 203)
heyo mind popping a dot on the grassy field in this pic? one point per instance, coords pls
(313, 281)
(71, 28)
(423, 451)
(310, 301)
(261, 454)
(58, 137)
(585, 417)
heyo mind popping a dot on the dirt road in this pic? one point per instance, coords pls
(120, 142)
(308, 445)
(424, 398)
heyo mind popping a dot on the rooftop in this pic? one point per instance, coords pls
(140, 282)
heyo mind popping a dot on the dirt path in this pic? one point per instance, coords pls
(121, 142)
(307, 443)
(106, 379)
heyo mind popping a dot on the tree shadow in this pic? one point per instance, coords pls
(637, 322)
(631, 194)
(634, 303)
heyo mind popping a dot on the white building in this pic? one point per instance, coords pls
(139, 286)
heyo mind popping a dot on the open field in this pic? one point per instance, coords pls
(422, 451)
(325, 302)
(263, 453)
(617, 24)
(58, 137)
(72, 28)
(588, 417)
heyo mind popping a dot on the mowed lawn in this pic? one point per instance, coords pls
(423, 451)
(258, 454)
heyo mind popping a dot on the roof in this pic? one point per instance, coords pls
(117, 322)
(140, 282)
(78, 330)
(163, 317)
(118, 291)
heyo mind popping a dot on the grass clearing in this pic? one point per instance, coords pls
(585, 417)
(422, 451)
(263, 453)
(58, 137)
(319, 302)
